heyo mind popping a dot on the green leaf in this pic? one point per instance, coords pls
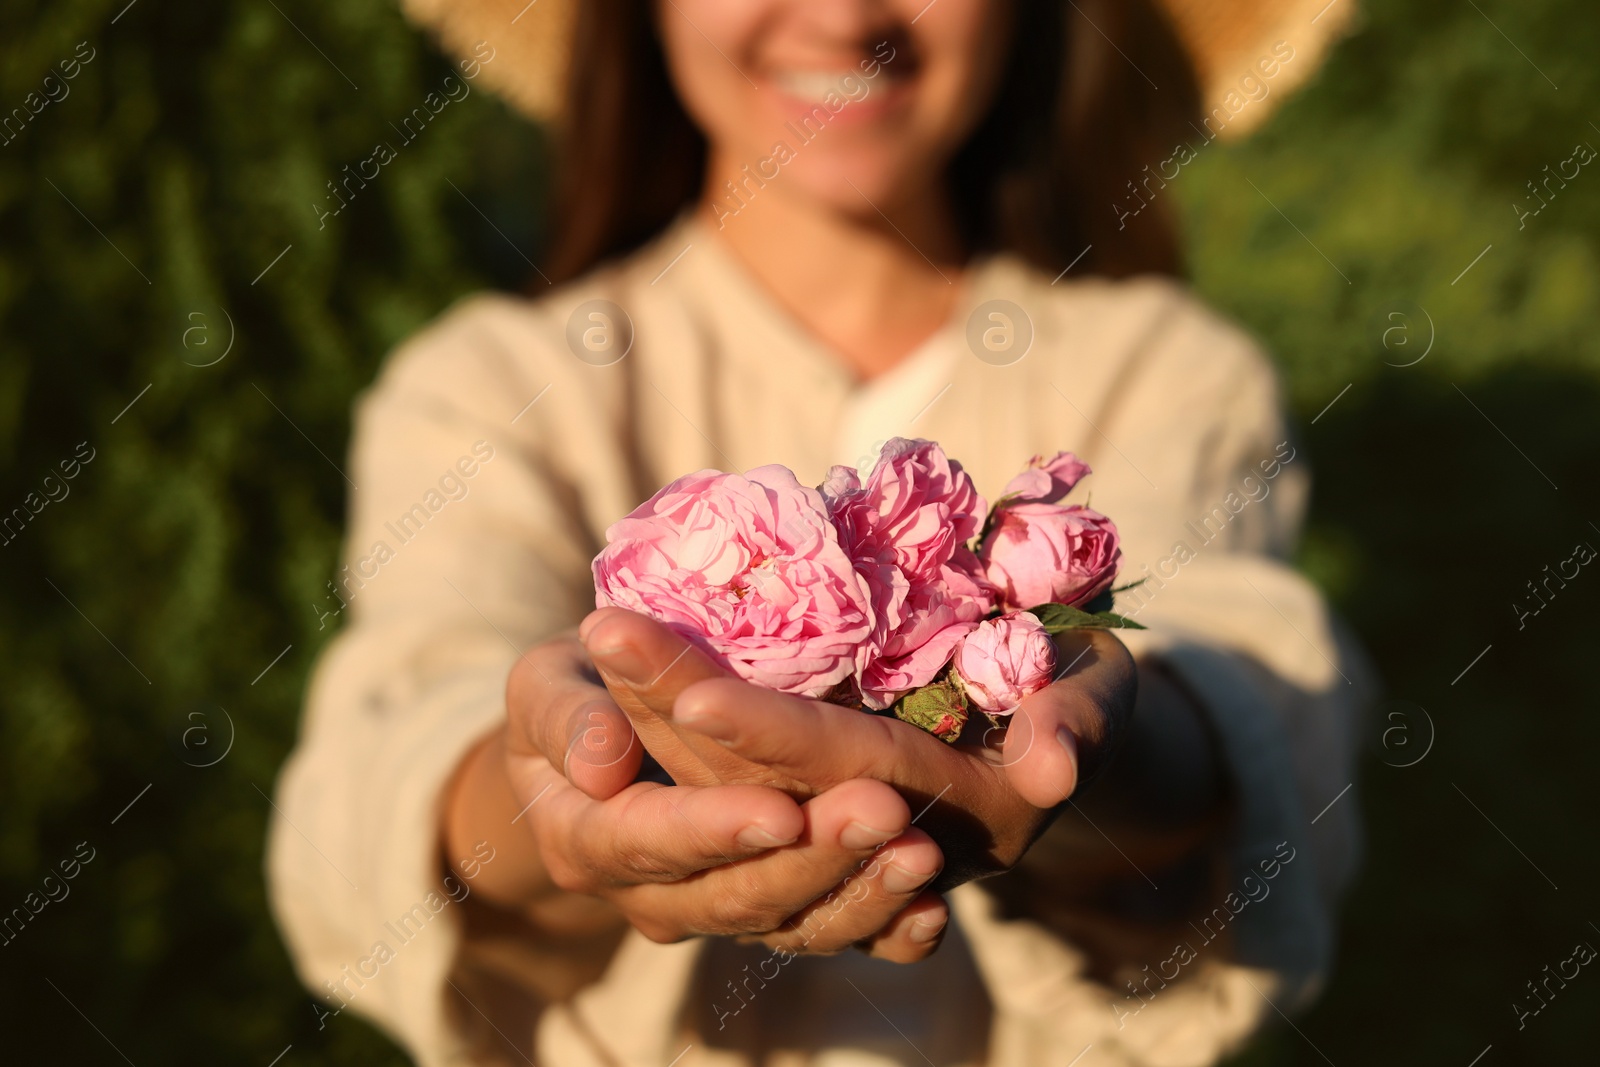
(1102, 602)
(1059, 618)
(1113, 621)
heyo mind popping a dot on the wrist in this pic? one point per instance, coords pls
(1163, 796)
(477, 810)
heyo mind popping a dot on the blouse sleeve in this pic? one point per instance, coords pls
(1208, 488)
(1282, 681)
(1280, 677)
(464, 547)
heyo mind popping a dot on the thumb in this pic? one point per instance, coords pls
(645, 665)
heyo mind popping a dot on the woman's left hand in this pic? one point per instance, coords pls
(984, 803)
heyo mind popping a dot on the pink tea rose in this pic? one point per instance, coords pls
(1045, 553)
(1038, 551)
(750, 569)
(907, 531)
(1046, 481)
(1004, 660)
(915, 653)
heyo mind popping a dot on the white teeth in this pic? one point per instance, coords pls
(813, 86)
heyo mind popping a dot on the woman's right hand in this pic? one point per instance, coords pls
(554, 794)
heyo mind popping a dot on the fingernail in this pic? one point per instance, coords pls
(1066, 740)
(716, 727)
(623, 661)
(757, 837)
(860, 835)
(898, 879)
(924, 930)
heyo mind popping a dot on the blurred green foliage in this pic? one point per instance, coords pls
(163, 209)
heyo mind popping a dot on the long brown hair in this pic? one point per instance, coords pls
(1094, 91)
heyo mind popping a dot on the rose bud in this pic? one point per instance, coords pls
(938, 707)
(1037, 553)
(1046, 481)
(1004, 660)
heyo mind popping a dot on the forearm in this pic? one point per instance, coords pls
(480, 805)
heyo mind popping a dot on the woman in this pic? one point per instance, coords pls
(789, 231)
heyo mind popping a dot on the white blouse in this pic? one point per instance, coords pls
(496, 447)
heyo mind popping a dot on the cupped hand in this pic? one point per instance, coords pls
(844, 867)
(986, 800)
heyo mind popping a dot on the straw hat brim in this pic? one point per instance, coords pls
(1238, 48)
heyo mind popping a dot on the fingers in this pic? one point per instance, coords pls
(659, 834)
(845, 828)
(914, 933)
(821, 743)
(556, 710)
(1039, 751)
(864, 906)
(1060, 735)
(602, 754)
(682, 861)
(645, 664)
